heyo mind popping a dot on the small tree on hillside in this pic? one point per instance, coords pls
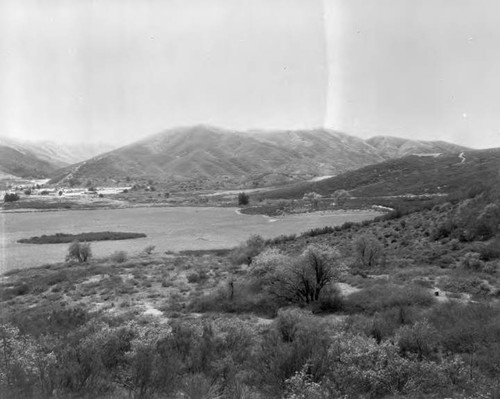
(243, 198)
(340, 197)
(78, 251)
(299, 279)
(368, 251)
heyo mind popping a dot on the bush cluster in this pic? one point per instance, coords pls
(10, 197)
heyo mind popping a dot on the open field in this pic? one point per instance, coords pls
(169, 229)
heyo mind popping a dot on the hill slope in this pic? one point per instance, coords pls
(38, 159)
(216, 157)
(23, 164)
(408, 175)
(395, 147)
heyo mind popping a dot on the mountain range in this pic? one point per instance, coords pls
(219, 158)
(38, 159)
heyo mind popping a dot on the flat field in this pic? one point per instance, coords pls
(169, 229)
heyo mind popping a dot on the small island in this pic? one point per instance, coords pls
(63, 238)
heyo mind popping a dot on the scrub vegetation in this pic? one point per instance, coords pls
(403, 306)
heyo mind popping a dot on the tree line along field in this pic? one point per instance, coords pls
(404, 306)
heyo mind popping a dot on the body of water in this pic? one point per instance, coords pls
(169, 229)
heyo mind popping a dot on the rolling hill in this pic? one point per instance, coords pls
(219, 158)
(413, 174)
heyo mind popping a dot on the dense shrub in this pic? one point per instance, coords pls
(243, 198)
(119, 256)
(491, 251)
(385, 296)
(10, 197)
(197, 277)
(238, 298)
(247, 251)
(330, 300)
(472, 261)
(78, 251)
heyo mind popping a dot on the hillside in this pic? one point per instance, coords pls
(408, 175)
(23, 164)
(395, 147)
(38, 159)
(219, 158)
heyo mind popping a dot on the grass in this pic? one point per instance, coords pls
(64, 238)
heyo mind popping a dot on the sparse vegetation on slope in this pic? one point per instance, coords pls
(443, 174)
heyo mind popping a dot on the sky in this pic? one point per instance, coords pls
(120, 70)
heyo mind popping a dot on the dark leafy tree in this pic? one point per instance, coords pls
(243, 198)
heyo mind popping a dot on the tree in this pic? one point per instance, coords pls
(10, 197)
(243, 198)
(78, 251)
(313, 198)
(368, 251)
(298, 279)
(340, 197)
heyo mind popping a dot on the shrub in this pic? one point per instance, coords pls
(421, 339)
(491, 251)
(27, 192)
(78, 251)
(464, 328)
(119, 256)
(10, 197)
(386, 296)
(149, 249)
(243, 198)
(330, 300)
(471, 261)
(247, 251)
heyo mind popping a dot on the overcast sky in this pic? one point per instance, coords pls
(119, 70)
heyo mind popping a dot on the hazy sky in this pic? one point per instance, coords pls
(119, 70)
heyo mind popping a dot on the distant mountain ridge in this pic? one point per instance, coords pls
(219, 158)
(38, 159)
